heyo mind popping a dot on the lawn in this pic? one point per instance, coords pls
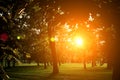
(67, 72)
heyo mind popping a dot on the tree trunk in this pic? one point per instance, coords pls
(116, 63)
(51, 35)
(45, 65)
(93, 63)
(109, 64)
(116, 68)
(116, 20)
(54, 58)
(116, 71)
(38, 64)
(84, 61)
(116, 55)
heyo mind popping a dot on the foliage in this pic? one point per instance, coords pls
(9, 11)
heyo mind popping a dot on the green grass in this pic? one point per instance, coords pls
(67, 72)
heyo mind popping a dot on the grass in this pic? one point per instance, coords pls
(67, 72)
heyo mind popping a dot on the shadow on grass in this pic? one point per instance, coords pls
(39, 73)
(31, 77)
(28, 73)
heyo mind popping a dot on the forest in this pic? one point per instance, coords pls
(56, 32)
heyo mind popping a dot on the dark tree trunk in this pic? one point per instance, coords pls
(51, 35)
(59, 63)
(45, 65)
(109, 63)
(84, 61)
(116, 71)
(116, 62)
(93, 63)
(38, 64)
(116, 66)
(115, 18)
(54, 58)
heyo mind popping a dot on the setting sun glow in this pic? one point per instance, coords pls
(79, 41)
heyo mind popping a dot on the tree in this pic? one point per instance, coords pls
(115, 19)
(9, 11)
(18, 11)
(44, 17)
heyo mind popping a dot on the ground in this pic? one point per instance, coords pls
(67, 72)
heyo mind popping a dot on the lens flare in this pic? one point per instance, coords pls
(52, 39)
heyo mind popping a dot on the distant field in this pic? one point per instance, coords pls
(67, 72)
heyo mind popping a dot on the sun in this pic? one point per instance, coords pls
(79, 41)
